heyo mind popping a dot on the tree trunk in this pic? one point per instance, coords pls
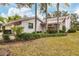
(46, 16)
(35, 17)
(57, 18)
(3, 29)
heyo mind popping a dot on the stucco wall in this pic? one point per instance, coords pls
(50, 20)
(26, 29)
(68, 24)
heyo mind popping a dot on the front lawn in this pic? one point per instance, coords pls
(49, 46)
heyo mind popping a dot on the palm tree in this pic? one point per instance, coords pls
(44, 9)
(57, 17)
(65, 13)
(55, 14)
(57, 6)
(20, 5)
(2, 19)
(35, 16)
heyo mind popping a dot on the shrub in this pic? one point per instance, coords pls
(31, 36)
(0, 30)
(25, 36)
(51, 31)
(61, 31)
(71, 30)
(17, 31)
(54, 35)
(64, 29)
(37, 32)
(6, 37)
(77, 29)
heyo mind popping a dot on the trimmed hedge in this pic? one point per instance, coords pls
(51, 31)
(71, 31)
(31, 36)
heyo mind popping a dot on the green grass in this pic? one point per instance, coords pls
(49, 46)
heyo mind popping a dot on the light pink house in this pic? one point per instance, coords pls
(29, 24)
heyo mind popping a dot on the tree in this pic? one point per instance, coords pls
(20, 5)
(2, 19)
(35, 16)
(57, 6)
(44, 9)
(17, 31)
(13, 18)
(65, 13)
(56, 13)
(74, 18)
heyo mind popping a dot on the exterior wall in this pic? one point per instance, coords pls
(39, 28)
(68, 24)
(28, 30)
(60, 27)
(50, 20)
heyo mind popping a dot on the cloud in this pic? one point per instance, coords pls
(13, 11)
(23, 11)
(4, 15)
(40, 15)
(76, 11)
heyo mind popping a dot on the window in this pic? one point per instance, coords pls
(30, 25)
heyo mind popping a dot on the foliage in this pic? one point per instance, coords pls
(51, 31)
(32, 36)
(2, 19)
(6, 37)
(77, 26)
(56, 13)
(64, 29)
(74, 18)
(13, 18)
(49, 46)
(17, 31)
(71, 30)
(21, 5)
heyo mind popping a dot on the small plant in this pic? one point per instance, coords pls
(64, 29)
(51, 31)
(6, 37)
(17, 31)
(71, 31)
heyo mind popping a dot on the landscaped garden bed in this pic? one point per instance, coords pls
(49, 46)
(29, 36)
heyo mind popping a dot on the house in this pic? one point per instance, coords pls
(29, 23)
(63, 21)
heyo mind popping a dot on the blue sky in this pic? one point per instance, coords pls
(9, 10)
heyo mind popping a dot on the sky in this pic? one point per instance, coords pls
(11, 10)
